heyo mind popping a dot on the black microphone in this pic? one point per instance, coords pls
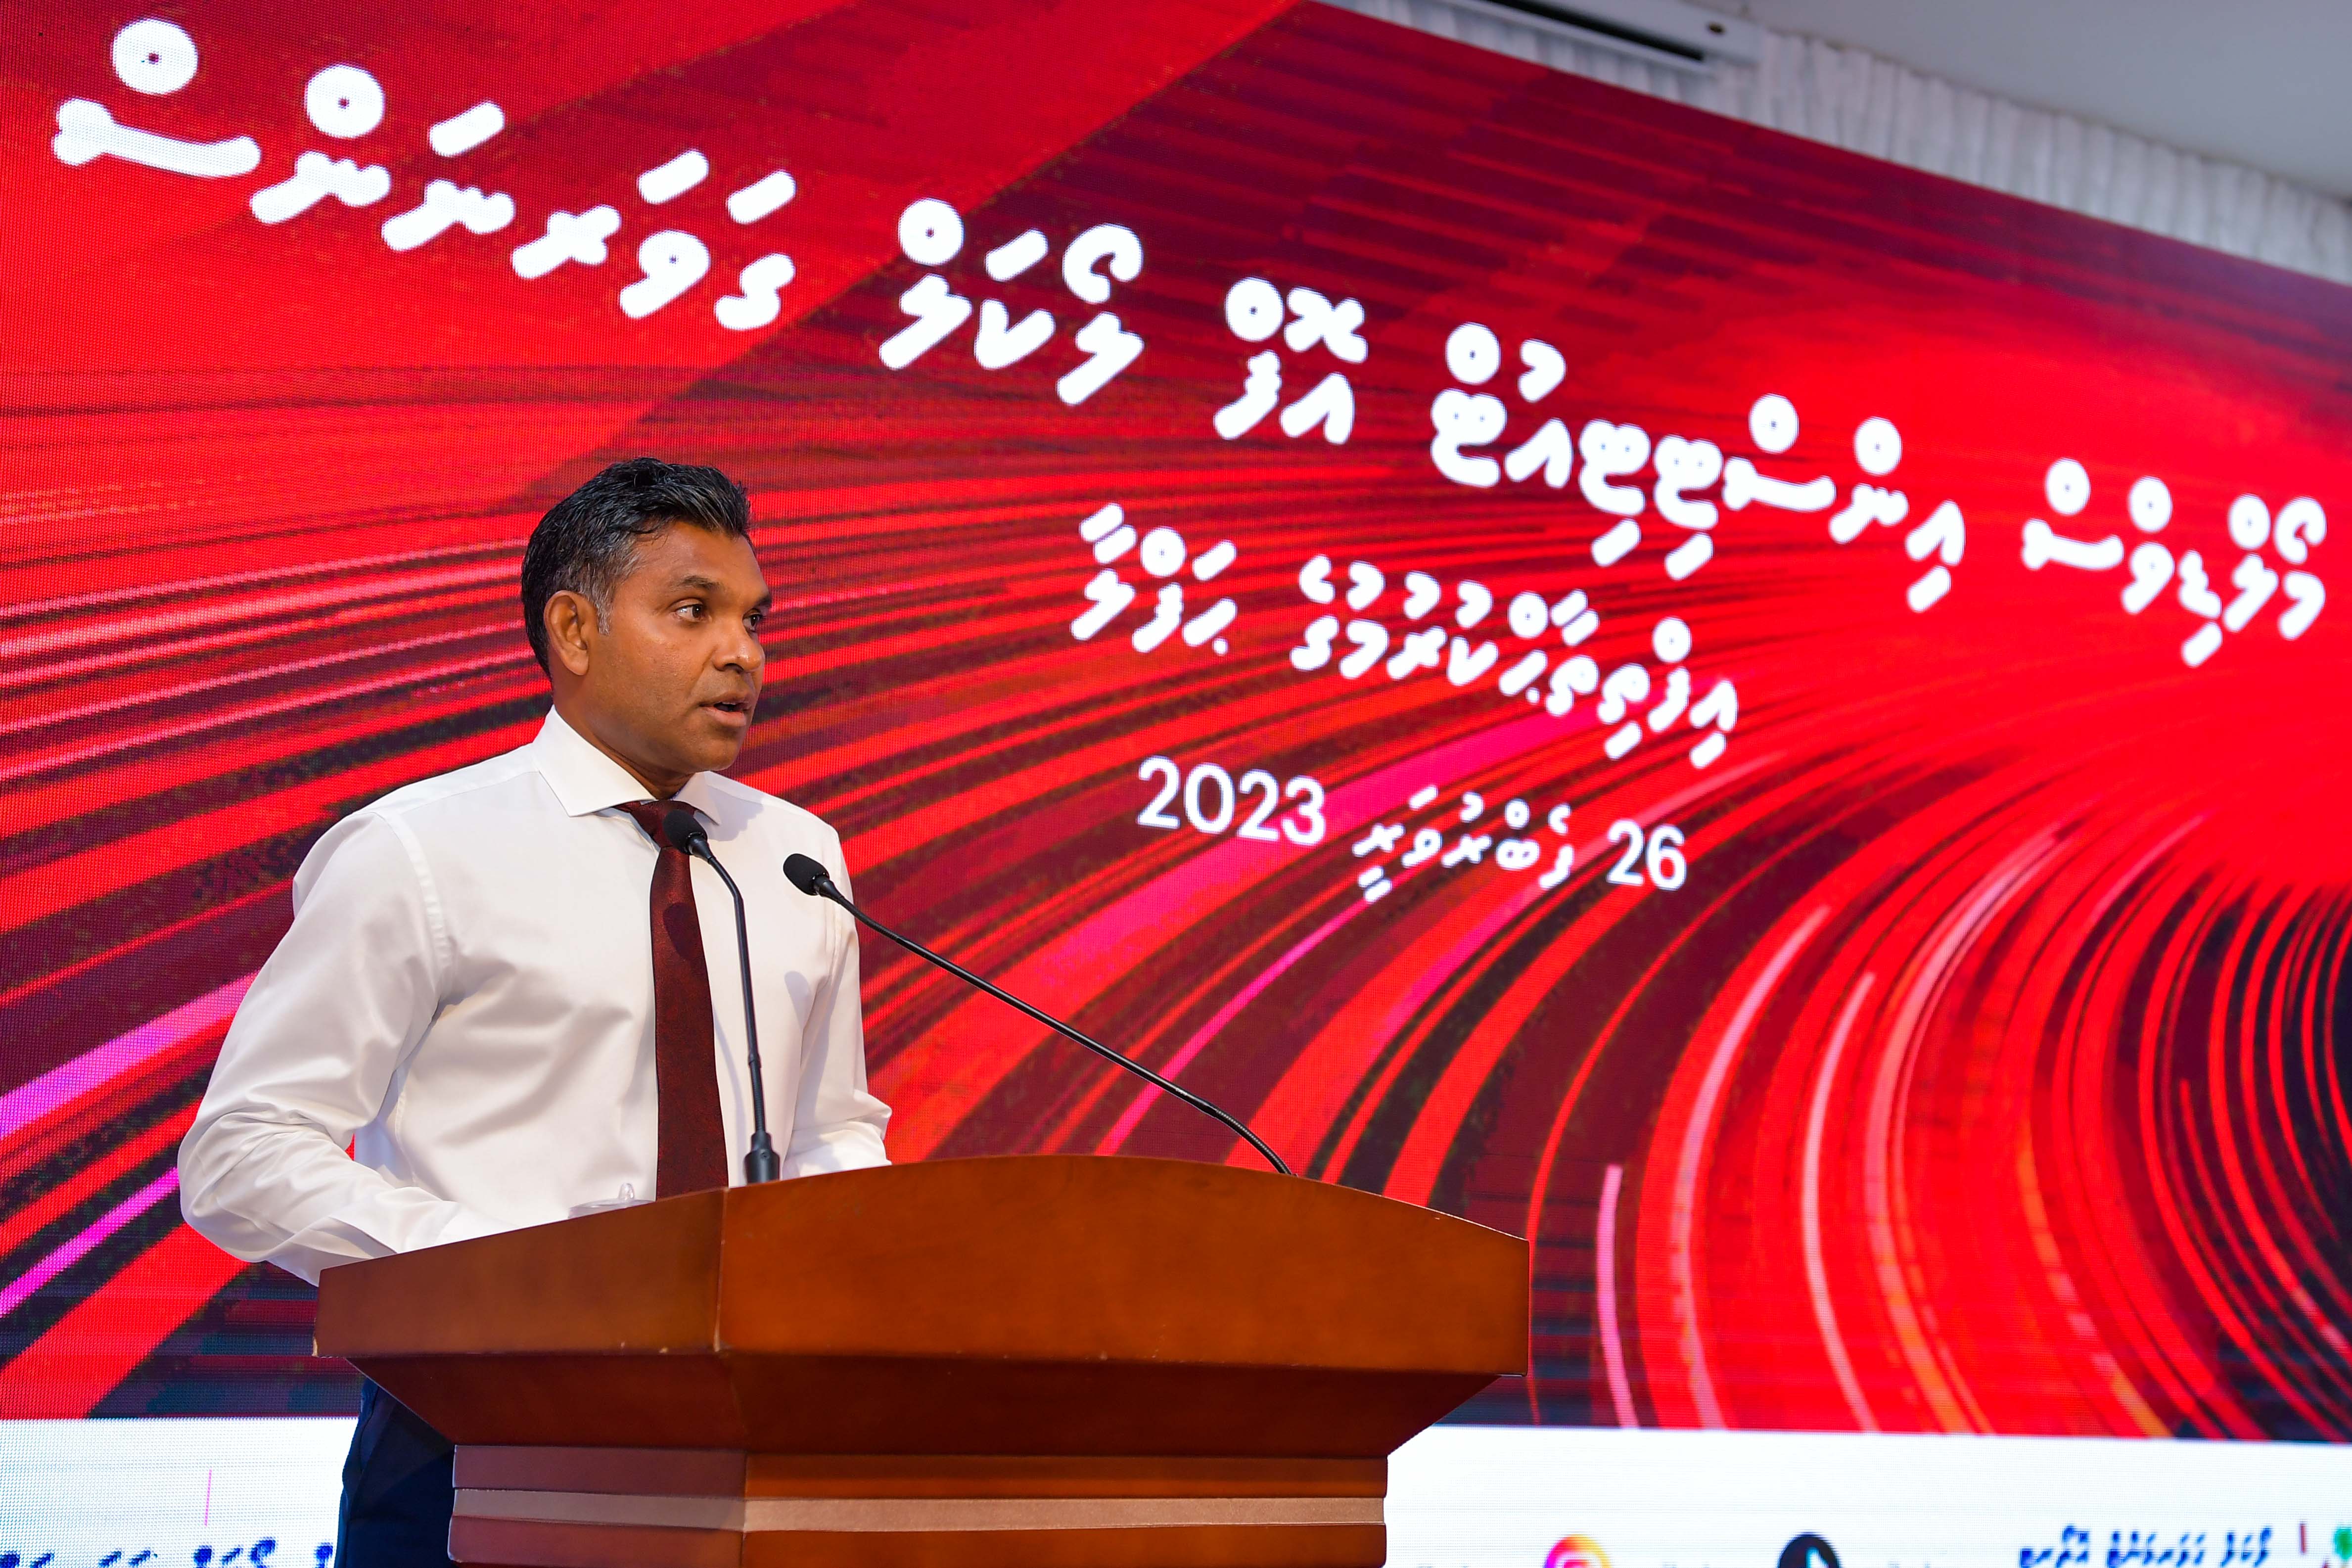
(683, 831)
(811, 877)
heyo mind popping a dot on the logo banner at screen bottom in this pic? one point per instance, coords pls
(1493, 1497)
(225, 1493)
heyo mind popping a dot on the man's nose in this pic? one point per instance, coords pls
(743, 652)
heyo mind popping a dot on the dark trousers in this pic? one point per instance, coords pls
(397, 1490)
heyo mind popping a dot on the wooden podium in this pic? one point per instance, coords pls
(1040, 1361)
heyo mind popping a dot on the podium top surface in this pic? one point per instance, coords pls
(1024, 1258)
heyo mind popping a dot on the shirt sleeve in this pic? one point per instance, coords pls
(836, 1124)
(311, 1057)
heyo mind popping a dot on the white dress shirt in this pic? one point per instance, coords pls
(465, 1001)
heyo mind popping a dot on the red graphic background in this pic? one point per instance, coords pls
(1982, 1076)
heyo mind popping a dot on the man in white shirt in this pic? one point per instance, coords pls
(509, 999)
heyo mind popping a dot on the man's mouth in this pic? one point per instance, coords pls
(734, 707)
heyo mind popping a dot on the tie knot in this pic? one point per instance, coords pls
(649, 815)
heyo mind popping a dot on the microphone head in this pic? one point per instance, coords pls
(682, 830)
(808, 875)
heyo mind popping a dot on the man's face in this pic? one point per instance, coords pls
(670, 685)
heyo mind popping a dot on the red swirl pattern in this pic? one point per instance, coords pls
(1981, 1075)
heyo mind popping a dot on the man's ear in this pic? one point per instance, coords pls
(570, 621)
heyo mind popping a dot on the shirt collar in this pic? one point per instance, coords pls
(585, 780)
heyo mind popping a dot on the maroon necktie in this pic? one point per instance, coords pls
(691, 1154)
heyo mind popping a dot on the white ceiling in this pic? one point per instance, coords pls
(2262, 82)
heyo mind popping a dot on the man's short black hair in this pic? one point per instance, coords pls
(585, 543)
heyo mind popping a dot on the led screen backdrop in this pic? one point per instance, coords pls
(1767, 721)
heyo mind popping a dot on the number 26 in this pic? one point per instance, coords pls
(1665, 865)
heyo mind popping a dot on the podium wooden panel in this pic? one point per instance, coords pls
(1017, 1363)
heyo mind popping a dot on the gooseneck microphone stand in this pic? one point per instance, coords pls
(682, 831)
(811, 877)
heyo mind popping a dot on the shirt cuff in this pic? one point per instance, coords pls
(853, 1148)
